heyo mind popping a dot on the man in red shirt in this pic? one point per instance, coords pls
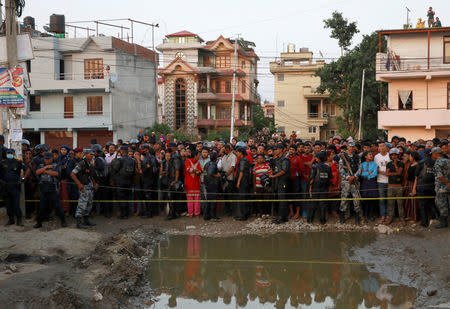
(294, 183)
(306, 160)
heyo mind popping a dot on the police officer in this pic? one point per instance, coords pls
(83, 175)
(243, 184)
(101, 178)
(320, 178)
(175, 184)
(49, 173)
(281, 174)
(2, 148)
(123, 169)
(442, 185)
(425, 187)
(72, 188)
(212, 183)
(150, 175)
(10, 179)
(350, 169)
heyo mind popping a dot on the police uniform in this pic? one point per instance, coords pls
(72, 188)
(244, 166)
(425, 187)
(150, 175)
(348, 188)
(212, 184)
(442, 169)
(282, 184)
(175, 164)
(101, 178)
(48, 186)
(320, 177)
(124, 171)
(84, 172)
(10, 176)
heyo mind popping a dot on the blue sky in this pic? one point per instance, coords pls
(270, 24)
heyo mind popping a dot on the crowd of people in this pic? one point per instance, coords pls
(274, 176)
(432, 21)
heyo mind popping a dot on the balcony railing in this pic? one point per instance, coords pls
(395, 63)
(66, 115)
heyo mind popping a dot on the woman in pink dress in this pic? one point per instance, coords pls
(192, 171)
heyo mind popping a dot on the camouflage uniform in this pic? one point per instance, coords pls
(85, 201)
(442, 169)
(347, 187)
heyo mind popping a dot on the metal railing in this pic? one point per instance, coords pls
(66, 115)
(394, 63)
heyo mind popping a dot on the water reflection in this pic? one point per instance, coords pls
(309, 270)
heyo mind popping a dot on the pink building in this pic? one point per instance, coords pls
(417, 70)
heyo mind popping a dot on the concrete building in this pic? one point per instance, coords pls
(269, 109)
(86, 88)
(417, 70)
(197, 82)
(298, 107)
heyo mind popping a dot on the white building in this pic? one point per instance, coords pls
(89, 88)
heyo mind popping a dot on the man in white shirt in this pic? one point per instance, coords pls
(111, 155)
(229, 161)
(382, 159)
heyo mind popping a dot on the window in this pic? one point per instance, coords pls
(244, 86)
(68, 107)
(331, 133)
(228, 87)
(280, 103)
(223, 112)
(405, 100)
(448, 96)
(223, 61)
(281, 129)
(313, 108)
(446, 49)
(312, 130)
(35, 103)
(280, 77)
(28, 62)
(61, 69)
(217, 87)
(206, 61)
(330, 110)
(242, 64)
(94, 105)
(180, 103)
(179, 55)
(93, 68)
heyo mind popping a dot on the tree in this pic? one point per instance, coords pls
(260, 120)
(342, 80)
(341, 30)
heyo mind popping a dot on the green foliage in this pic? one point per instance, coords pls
(223, 135)
(341, 29)
(342, 80)
(260, 120)
(162, 128)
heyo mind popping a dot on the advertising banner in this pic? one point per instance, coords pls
(11, 87)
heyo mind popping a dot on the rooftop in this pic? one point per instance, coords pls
(413, 30)
(184, 33)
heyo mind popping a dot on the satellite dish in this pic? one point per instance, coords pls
(47, 28)
(113, 77)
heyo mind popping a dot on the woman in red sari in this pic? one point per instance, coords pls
(192, 171)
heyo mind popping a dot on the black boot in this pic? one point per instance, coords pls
(442, 223)
(10, 222)
(19, 222)
(357, 218)
(80, 224)
(87, 222)
(37, 225)
(424, 221)
(341, 217)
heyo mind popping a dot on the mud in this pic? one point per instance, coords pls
(105, 266)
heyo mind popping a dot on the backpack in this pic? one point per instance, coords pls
(426, 174)
(104, 172)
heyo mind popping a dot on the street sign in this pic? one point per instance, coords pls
(11, 87)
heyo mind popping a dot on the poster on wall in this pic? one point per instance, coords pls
(11, 87)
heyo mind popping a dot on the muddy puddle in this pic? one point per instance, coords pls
(286, 270)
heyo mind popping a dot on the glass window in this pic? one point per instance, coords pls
(228, 87)
(447, 49)
(280, 77)
(312, 130)
(35, 103)
(93, 68)
(180, 103)
(280, 103)
(94, 105)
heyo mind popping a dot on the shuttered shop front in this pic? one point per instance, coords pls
(102, 137)
(58, 138)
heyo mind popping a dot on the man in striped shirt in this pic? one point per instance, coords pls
(261, 168)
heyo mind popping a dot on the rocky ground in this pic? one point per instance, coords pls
(104, 267)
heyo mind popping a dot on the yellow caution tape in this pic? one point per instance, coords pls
(255, 261)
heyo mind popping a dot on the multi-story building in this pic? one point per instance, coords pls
(416, 67)
(298, 106)
(269, 109)
(99, 88)
(198, 82)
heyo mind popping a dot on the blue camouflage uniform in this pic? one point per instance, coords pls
(442, 169)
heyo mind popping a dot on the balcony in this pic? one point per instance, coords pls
(68, 83)
(221, 123)
(414, 118)
(392, 66)
(79, 120)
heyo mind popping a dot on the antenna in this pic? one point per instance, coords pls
(407, 15)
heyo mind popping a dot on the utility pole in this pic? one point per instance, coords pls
(234, 89)
(361, 105)
(11, 49)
